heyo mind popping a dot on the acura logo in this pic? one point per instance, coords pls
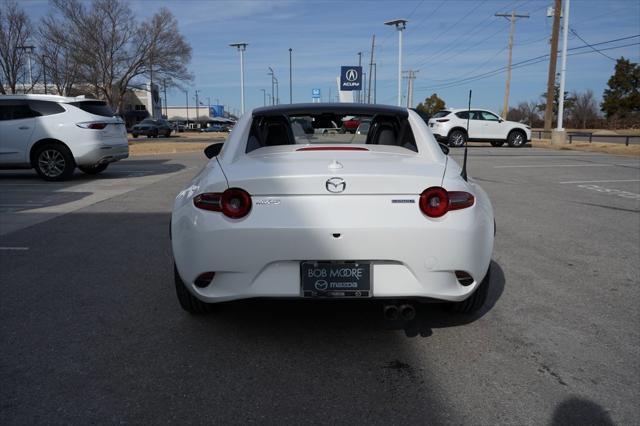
(351, 75)
(336, 185)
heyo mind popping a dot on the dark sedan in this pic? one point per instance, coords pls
(152, 128)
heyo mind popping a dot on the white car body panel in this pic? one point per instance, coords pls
(478, 129)
(295, 219)
(88, 146)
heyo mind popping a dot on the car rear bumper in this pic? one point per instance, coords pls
(102, 154)
(412, 257)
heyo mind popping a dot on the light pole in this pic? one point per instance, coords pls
(241, 48)
(197, 109)
(264, 97)
(277, 92)
(186, 95)
(290, 79)
(360, 65)
(273, 76)
(400, 25)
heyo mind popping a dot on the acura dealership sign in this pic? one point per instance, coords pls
(351, 78)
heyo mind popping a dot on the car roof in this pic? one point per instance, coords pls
(52, 98)
(330, 108)
(454, 110)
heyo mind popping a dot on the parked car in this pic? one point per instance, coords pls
(55, 134)
(387, 217)
(484, 126)
(215, 128)
(350, 125)
(152, 128)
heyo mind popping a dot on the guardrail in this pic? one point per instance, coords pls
(590, 137)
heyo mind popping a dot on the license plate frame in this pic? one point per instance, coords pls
(335, 279)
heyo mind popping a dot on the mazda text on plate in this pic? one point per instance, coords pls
(281, 211)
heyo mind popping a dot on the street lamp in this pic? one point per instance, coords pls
(290, 80)
(241, 48)
(400, 25)
(273, 77)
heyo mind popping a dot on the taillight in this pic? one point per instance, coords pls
(444, 120)
(436, 201)
(234, 203)
(92, 125)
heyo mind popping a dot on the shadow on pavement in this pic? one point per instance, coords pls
(580, 411)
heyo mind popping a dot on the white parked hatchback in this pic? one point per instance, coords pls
(55, 134)
(484, 126)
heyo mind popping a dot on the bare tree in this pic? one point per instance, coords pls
(15, 30)
(58, 62)
(526, 112)
(113, 51)
(584, 109)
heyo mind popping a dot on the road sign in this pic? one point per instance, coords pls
(315, 93)
(351, 78)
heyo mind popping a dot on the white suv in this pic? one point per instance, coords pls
(484, 126)
(54, 134)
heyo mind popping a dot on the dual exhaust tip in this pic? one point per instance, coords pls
(404, 311)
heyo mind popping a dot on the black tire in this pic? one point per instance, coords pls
(155, 134)
(497, 143)
(54, 162)
(134, 135)
(517, 139)
(474, 302)
(94, 170)
(188, 301)
(457, 138)
(166, 135)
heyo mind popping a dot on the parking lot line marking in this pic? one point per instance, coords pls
(14, 248)
(554, 165)
(602, 181)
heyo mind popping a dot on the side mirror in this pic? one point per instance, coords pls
(444, 148)
(213, 150)
(500, 120)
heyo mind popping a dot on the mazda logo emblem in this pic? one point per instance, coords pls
(336, 185)
(351, 75)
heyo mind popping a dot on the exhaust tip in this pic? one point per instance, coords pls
(390, 312)
(407, 312)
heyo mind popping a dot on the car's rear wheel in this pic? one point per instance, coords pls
(155, 134)
(54, 162)
(188, 301)
(474, 302)
(166, 135)
(497, 143)
(94, 170)
(516, 139)
(457, 138)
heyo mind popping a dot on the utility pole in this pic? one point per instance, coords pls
(373, 44)
(273, 76)
(563, 66)
(512, 17)
(551, 79)
(411, 75)
(264, 97)
(375, 83)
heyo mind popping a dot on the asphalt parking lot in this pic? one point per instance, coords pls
(91, 331)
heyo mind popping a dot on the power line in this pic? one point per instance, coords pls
(588, 45)
(521, 64)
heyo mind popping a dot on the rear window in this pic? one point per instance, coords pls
(95, 107)
(441, 114)
(323, 129)
(45, 107)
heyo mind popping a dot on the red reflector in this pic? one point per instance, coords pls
(92, 125)
(332, 148)
(460, 200)
(204, 279)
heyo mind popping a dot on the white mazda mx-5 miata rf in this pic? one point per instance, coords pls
(283, 210)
